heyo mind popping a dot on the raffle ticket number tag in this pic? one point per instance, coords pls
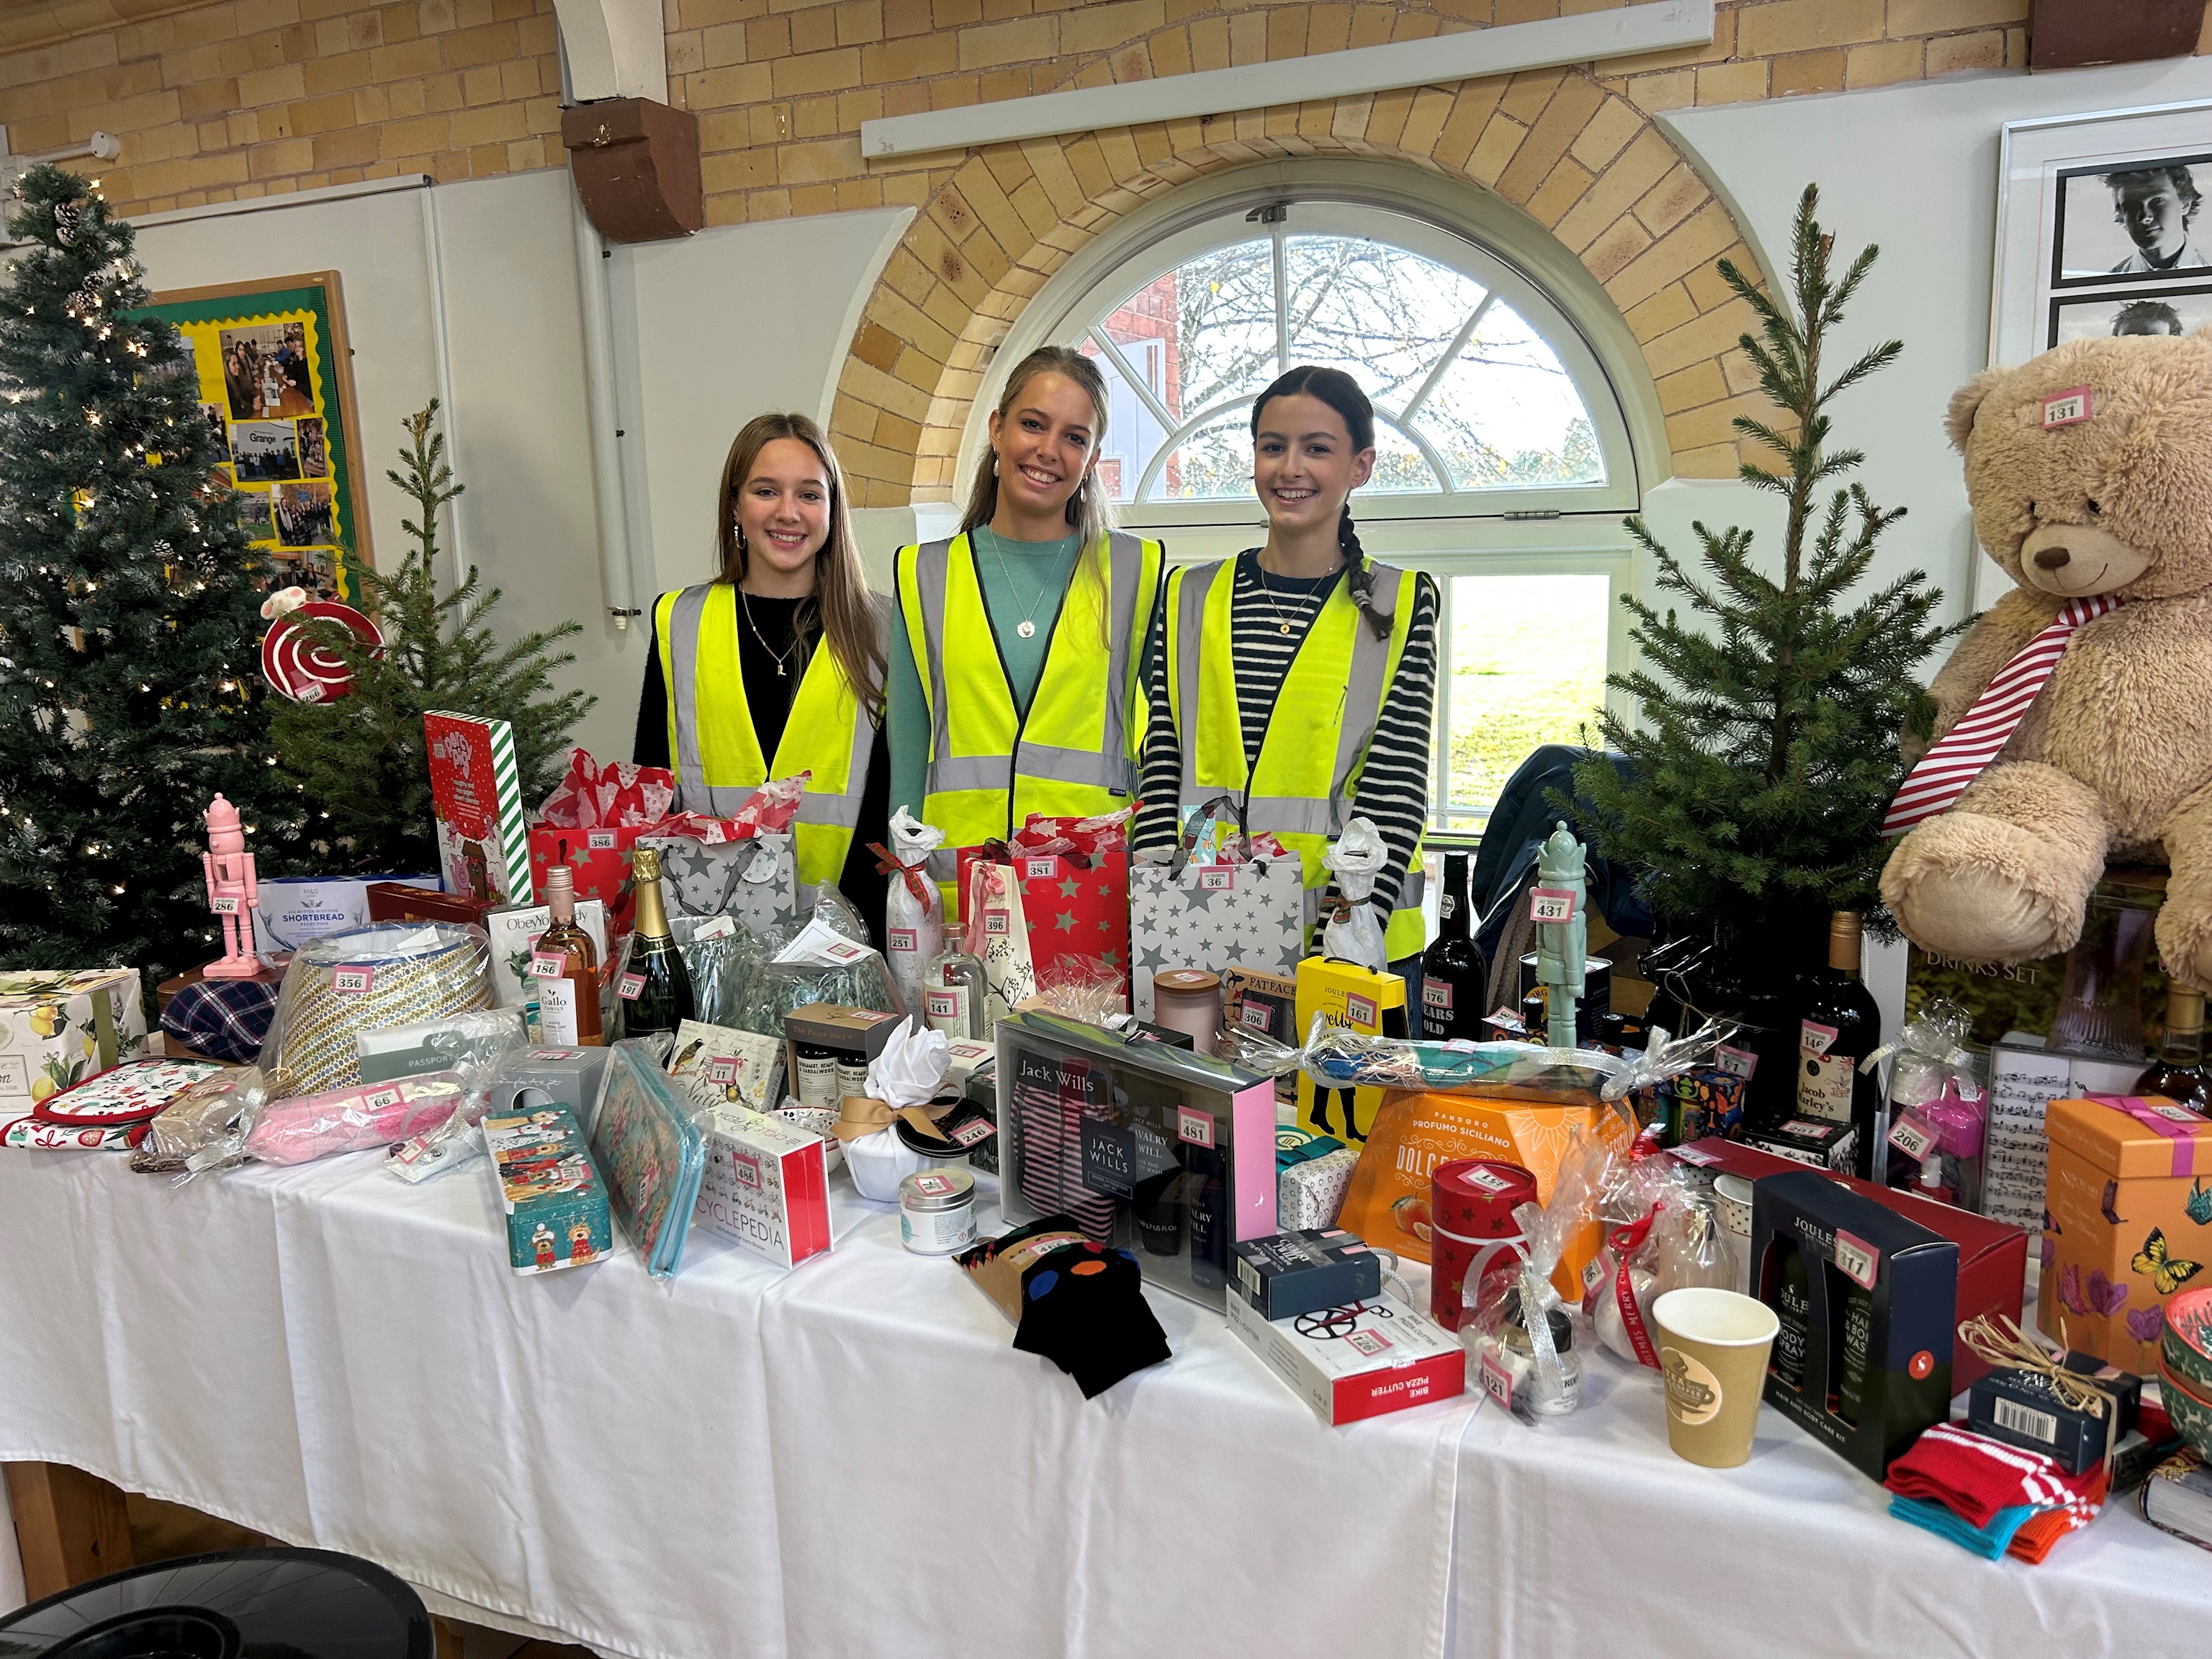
(351, 980)
(599, 841)
(627, 987)
(225, 906)
(1912, 1137)
(974, 1132)
(1550, 904)
(1857, 1258)
(1815, 1039)
(548, 965)
(723, 1070)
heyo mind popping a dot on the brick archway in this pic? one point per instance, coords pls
(1585, 163)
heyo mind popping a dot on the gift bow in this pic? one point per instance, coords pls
(2181, 1128)
(1289, 1152)
(887, 861)
(861, 1115)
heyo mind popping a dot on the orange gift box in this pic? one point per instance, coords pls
(2127, 1200)
(1387, 1205)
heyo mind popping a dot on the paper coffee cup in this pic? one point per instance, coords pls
(1713, 1346)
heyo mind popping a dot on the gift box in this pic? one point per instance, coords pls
(294, 909)
(1992, 1256)
(719, 1066)
(1299, 1271)
(58, 1029)
(1161, 1150)
(555, 1202)
(1822, 1145)
(1352, 998)
(765, 1187)
(1375, 1357)
(394, 901)
(754, 879)
(1693, 1105)
(476, 797)
(2127, 1202)
(1213, 917)
(569, 1078)
(2023, 1408)
(1311, 1174)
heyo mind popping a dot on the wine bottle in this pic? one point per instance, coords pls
(1837, 1027)
(1452, 971)
(656, 992)
(2178, 1074)
(569, 1001)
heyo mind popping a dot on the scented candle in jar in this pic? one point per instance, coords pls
(937, 1210)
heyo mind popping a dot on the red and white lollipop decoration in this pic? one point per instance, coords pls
(294, 662)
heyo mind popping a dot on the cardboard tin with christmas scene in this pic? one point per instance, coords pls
(556, 1204)
(476, 790)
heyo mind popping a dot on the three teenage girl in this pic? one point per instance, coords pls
(1039, 661)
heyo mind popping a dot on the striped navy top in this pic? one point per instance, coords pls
(1393, 784)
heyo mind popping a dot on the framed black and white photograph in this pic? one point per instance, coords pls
(2137, 220)
(264, 451)
(2135, 311)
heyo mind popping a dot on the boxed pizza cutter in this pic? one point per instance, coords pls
(1376, 1356)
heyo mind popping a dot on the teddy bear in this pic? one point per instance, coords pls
(2089, 471)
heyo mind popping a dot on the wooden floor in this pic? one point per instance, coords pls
(163, 1532)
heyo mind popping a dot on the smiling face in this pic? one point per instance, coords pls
(1046, 441)
(783, 509)
(1304, 464)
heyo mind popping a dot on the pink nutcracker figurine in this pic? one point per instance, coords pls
(233, 892)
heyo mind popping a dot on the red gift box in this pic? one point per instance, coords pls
(1076, 904)
(1992, 1256)
(589, 821)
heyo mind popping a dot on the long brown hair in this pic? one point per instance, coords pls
(1089, 514)
(840, 601)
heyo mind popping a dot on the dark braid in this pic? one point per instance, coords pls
(1342, 393)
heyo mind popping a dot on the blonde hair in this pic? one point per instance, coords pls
(840, 601)
(1089, 514)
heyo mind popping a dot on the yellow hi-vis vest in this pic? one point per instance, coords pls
(1073, 752)
(718, 756)
(1307, 777)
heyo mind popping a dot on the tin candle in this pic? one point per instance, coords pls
(936, 1211)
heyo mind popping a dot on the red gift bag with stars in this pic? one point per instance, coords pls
(1073, 874)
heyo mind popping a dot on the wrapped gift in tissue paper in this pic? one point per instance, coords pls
(1311, 1174)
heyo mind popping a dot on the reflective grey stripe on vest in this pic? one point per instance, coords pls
(693, 792)
(1109, 768)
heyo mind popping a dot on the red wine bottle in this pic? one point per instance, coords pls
(1837, 1027)
(1453, 974)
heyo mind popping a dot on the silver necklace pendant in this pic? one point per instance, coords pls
(1028, 629)
(780, 674)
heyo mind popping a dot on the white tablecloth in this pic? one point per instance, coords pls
(850, 1460)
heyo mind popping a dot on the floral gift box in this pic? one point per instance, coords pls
(58, 1029)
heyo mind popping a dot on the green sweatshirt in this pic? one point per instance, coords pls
(1019, 578)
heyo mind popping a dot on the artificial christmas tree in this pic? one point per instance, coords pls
(1765, 750)
(360, 762)
(128, 613)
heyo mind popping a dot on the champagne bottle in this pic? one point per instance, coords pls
(2178, 1074)
(656, 992)
(1452, 971)
(1837, 1027)
(568, 1003)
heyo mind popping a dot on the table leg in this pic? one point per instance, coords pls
(71, 1527)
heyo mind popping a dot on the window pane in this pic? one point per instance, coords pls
(1223, 323)
(1214, 463)
(1381, 314)
(1506, 415)
(1133, 430)
(1400, 466)
(1527, 666)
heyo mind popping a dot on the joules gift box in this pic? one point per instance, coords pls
(2128, 1193)
(58, 1029)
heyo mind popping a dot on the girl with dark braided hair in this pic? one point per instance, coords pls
(1299, 679)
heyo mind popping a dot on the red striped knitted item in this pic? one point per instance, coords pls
(1974, 1477)
(1981, 734)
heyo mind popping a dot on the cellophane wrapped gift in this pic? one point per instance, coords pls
(914, 905)
(1311, 1174)
(590, 822)
(1219, 899)
(344, 984)
(650, 1152)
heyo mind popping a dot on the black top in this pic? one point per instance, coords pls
(769, 696)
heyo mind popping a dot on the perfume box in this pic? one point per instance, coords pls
(555, 1205)
(1992, 1256)
(1376, 1356)
(765, 1187)
(1354, 999)
(1822, 1145)
(569, 1078)
(1871, 1350)
(1295, 1273)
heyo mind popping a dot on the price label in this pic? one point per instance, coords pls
(1593, 1270)
(1476, 1176)
(723, 1070)
(1496, 1382)
(599, 841)
(996, 921)
(1361, 1011)
(974, 1132)
(381, 1100)
(1368, 1343)
(628, 986)
(1257, 1015)
(351, 980)
(1814, 1039)
(1217, 881)
(942, 1005)
(1194, 1126)
(932, 1186)
(225, 906)
(1040, 869)
(1550, 904)
(719, 928)
(1912, 1137)
(1857, 1258)
(548, 965)
(746, 1170)
(1737, 1062)
(843, 951)
(1696, 1155)
(1436, 993)
(2175, 1114)
(903, 939)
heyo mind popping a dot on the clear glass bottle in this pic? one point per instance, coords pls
(954, 998)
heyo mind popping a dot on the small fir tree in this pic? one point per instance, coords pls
(129, 692)
(359, 762)
(1767, 751)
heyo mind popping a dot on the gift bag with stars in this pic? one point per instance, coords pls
(1072, 880)
(1213, 917)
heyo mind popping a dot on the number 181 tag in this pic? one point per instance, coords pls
(1550, 904)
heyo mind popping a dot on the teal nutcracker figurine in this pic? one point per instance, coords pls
(1556, 905)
